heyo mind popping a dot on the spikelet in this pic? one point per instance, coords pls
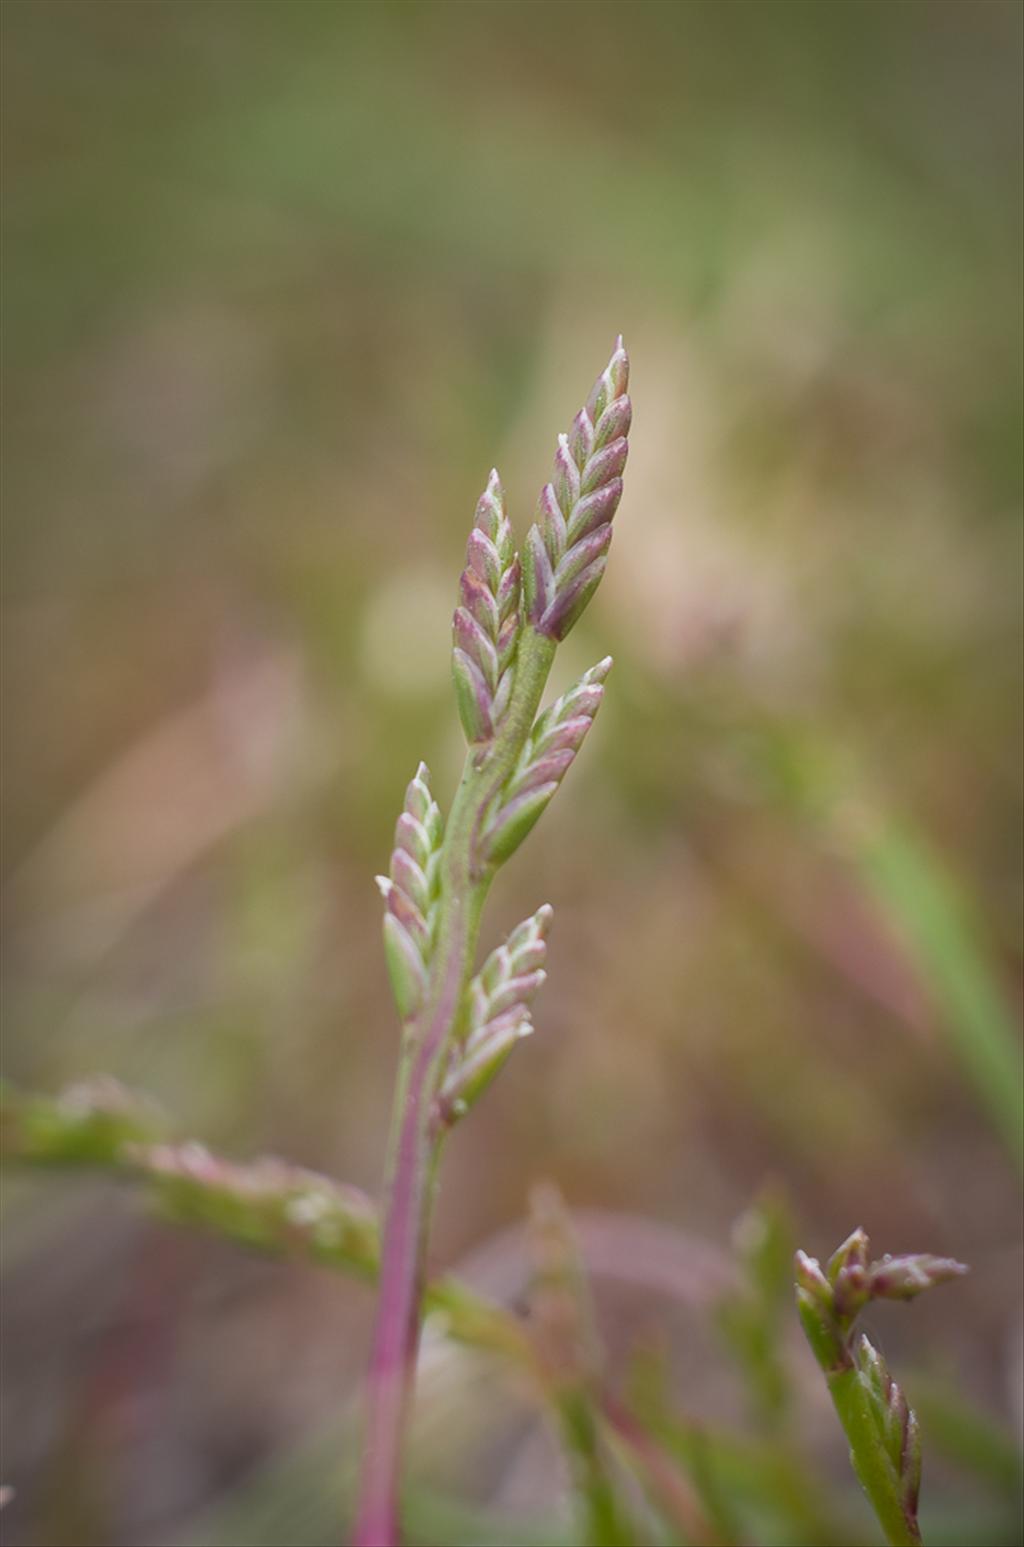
(499, 1015)
(553, 743)
(485, 628)
(901, 1278)
(411, 893)
(567, 548)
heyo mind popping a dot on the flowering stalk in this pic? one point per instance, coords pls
(882, 1431)
(506, 628)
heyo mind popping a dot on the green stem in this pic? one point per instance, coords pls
(867, 1453)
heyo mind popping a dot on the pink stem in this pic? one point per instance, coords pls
(396, 1335)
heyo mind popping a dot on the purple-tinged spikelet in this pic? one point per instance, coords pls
(567, 548)
(411, 893)
(901, 1278)
(485, 628)
(550, 748)
(499, 1015)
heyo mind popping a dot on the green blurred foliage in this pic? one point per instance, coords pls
(281, 281)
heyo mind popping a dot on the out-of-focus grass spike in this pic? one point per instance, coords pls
(89, 1123)
(265, 1205)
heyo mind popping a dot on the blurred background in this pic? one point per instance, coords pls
(282, 281)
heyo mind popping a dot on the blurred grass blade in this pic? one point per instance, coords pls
(913, 890)
(923, 905)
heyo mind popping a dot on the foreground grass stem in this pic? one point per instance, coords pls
(881, 1429)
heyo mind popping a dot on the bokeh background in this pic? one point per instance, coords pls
(281, 282)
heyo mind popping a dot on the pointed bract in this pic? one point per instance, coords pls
(515, 819)
(405, 967)
(854, 1251)
(472, 697)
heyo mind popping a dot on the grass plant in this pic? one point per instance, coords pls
(639, 1470)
